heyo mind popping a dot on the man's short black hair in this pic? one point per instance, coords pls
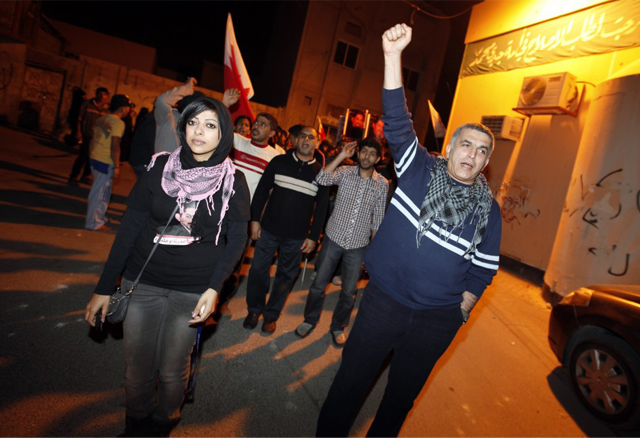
(272, 120)
(370, 142)
(101, 90)
(295, 130)
(119, 101)
(242, 117)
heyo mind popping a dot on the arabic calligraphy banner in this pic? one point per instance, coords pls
(603, 28)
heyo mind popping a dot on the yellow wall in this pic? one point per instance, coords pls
(531, 176)
(598, 240)
(494, 17)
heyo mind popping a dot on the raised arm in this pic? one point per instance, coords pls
(409, 157)
(166, 136)
(394, 41)
(347, 151)
(166, 101)
(230, 97)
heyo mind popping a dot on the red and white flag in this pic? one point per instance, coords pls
(439, 129)
(236, 75)
(321, 132)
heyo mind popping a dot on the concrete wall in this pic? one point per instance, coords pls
(530, 177)
(12, 66)
(598, 240)
(86, 73)
(319, 84)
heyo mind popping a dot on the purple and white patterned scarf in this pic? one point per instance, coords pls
(198, 183)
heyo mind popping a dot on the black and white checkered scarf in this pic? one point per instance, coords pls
(451, 203)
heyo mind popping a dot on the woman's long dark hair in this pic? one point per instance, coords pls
(225, 128)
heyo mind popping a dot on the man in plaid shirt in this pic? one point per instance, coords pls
(359, 209)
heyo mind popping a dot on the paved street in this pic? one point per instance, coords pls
(499, 378)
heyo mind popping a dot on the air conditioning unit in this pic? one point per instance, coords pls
(504, 127)
(548, 94)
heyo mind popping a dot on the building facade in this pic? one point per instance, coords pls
(340, 63)
(568, 183)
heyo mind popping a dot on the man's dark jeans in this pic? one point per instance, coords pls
(417, 340)
(331, 253)
(289, 256)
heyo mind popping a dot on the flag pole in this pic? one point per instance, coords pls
(438, 126)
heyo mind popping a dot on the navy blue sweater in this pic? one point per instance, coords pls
(296, 205)
(436, 274)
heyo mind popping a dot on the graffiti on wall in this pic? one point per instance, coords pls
(599, 207)
(516, 202)
(6, 70)
(601, 202)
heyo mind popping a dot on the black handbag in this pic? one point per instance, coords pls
(119, 301)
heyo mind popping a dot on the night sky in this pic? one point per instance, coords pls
(184, 33)
(268, 33)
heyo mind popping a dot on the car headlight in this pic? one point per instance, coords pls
(580, 297)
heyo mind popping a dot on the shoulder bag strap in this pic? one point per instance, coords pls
(155, 246)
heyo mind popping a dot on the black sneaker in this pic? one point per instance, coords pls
(251, 321)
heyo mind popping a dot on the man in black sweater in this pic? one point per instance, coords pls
(291, 223)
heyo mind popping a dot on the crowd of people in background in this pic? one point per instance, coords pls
(221, 184)
(288, 177)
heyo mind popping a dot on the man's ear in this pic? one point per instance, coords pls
(377, 159)
(485, 165)
(447, 150)
(272, 133)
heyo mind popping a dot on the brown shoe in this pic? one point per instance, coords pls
(269, 326)
(103, 229)
(339, 338)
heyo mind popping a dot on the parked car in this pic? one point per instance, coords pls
(595, 333)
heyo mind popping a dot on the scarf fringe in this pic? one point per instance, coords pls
(153, 159)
